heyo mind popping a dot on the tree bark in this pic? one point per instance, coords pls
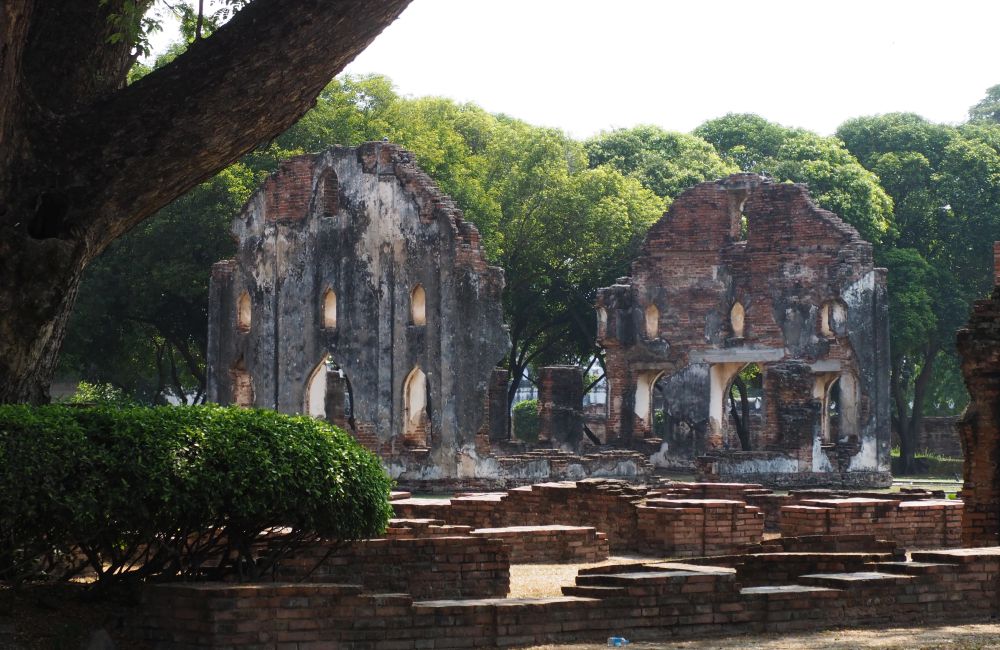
(83, 159)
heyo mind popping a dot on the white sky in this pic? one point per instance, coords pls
(584, 65)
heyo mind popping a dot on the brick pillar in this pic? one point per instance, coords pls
(979, 428)
(496, 415)
(560, 406)
(996, 263)
(793, 414)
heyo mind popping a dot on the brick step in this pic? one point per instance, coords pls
(786, 591)
(856, 579)
(639, 578)
(594, 591)
(912, 568)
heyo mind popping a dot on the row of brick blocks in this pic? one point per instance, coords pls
(687, 519)
(635, 519)
(658, 600)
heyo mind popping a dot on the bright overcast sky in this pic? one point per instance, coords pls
(584, 65)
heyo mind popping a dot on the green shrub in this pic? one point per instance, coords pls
(89, 394)
(168, 491)
(525, 419)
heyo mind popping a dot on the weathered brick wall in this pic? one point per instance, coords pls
(693, 527)
(655, 602)
(979, 428)
(927, 523)
(358, 224)
(807, 292)
(427, 567)
(560, 406)
(938, 435)
(550, 544)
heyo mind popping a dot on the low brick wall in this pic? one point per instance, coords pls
(690, 527)
(659, 602)
(615, 508)
(538, 544)
(429, 567)
(929, 523)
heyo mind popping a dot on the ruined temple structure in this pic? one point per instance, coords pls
(745, 274)
(979, 428)
(360, 295)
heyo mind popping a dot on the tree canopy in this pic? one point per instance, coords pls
(85, 157)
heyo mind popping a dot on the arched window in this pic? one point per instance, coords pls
(315, 405)
(329, 190)
(329, 309)
(737, 318)
(416, 420)
(418, 306)
(652, 321)
(243, 312)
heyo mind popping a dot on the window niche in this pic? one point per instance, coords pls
(415, 401)
(243, 312)
(737, 320)
(652, 321)
(418, 306)
(330, 309)
(833, 319)
(329, 194)
(602, 322)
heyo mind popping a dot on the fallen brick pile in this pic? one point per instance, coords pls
(658, 601)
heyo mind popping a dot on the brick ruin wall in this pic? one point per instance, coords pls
(979, 429)
(332, 264)
(799, 296)
(658, 602)
(453, 566)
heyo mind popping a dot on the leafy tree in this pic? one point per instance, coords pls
(837, 181)
(988, 108)
(945, 183)
(666, 162)
(84, 157)
(141, 318)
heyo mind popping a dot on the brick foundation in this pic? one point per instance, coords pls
(550, 544)
(428, 567)
(661, 601)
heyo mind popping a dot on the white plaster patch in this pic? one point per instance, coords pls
(867, 458)
(821, 462)
(854, 292)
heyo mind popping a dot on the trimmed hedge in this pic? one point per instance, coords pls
(168, 491)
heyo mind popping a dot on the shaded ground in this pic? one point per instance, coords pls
(952, 637)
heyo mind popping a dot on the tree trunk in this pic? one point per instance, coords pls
(742, 418)
(84, 159)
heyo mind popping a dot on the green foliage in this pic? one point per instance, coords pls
(666, 162)
(988, 108)
(836, 180)
(100, 395)
(140, 492)
(525, 419)
(945, 183)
